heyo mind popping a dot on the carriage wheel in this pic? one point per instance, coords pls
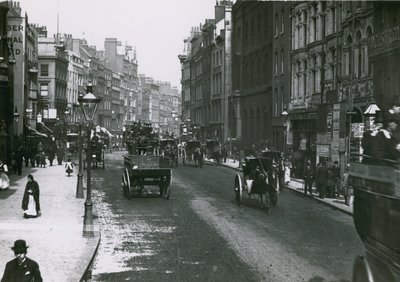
(238, 189)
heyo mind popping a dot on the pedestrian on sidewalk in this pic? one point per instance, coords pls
(288, 166)
(69, 167)
(60, 154)
(337, 179)
(4, 180)
(321, 178)
(19, 159)
(309, 175)
(346, 188)
(21, 268)
(30, 200)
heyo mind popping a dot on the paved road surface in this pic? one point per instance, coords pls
(200, 234)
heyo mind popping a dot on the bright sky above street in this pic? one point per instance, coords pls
(155, 27)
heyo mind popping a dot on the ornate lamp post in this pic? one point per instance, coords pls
(89, 104)
(285, 116)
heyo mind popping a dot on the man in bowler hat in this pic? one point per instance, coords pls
(21, 268)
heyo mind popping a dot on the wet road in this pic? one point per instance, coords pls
(200, 234)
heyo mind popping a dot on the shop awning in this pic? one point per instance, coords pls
(43, 128)
(34, 132)
(106, 131)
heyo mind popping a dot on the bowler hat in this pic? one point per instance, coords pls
(19, 246)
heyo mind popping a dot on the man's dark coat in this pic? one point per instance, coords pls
(28, 271)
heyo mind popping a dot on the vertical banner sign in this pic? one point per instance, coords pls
(16, 40)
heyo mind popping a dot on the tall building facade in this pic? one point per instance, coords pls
(331, 78)
(52, 78)
(281, 44)
(251, 101)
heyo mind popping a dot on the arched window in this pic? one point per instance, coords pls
(367, 65)
(359, 53)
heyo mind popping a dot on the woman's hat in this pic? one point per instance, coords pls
(19, 246)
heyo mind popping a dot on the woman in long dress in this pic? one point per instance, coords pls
(4, 180)
(30, 201)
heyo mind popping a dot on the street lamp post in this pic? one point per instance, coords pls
(89, 104)
(79, 183)
(284, 115)
(16, 121)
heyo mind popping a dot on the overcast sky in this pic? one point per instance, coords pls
(156, 27)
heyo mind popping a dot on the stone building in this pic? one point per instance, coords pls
(251, 101)
(52, 78)
(281, 72)
(331, 78)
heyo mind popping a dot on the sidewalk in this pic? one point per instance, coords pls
(55, 239)
(298, 186)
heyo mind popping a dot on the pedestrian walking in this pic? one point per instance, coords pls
(19, 159)
(308, 176)
(31, 199)
(69, 167)
(288, 167)
(21, 268)
(4, 180)
(321, 178)
(224, 153)
(51, 153)
(346, 188)
(60, 154)
(337, 179)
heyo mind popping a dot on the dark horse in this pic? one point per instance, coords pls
(198, 157)
(266, 182)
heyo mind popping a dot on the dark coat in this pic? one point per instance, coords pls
(34, 186)
(321, 175)
(28, 271)
(309, 173)
(383, 147)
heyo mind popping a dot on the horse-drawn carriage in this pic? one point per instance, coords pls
(146, 170)
(277, 159)
(376, 214)
(144, 167)
(97, 150)
(169, 149)
(213, 151)
(259, 177)
(194, 151)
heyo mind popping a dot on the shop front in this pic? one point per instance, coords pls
(304, 140)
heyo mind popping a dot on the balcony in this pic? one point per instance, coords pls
(384, 41)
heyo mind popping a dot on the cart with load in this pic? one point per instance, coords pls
(259, 177)
(376, 214)
(144, 168)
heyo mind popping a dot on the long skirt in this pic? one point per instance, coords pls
(31, 211)
(287, 174)
(4, 181)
